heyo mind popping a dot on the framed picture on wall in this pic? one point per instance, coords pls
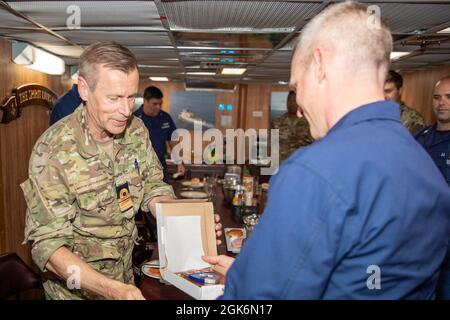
(278, 104)
(187, 108)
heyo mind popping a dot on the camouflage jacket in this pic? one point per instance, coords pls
(78, 197)
(294, 133)
(411, 119)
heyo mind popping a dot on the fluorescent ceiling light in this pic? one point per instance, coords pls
(201, 73)
(37, 59)
(234, 71)
(283, 82)
(446, 30)
(159, 78)
(397, 55)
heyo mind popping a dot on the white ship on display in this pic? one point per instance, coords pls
(189, 117)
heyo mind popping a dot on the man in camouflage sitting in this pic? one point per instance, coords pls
(393, 88)
(294, 130)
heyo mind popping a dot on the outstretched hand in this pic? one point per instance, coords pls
(218, 228)
(222, 261)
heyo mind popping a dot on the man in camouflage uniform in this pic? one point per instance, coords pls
(294, 131)
(410, 118)
(88, 176)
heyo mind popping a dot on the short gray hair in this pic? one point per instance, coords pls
(346, 26)
(108, 54)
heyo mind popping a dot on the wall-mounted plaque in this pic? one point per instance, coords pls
(23, 96)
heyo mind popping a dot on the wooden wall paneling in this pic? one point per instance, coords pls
(227, 98)
(258, 99)
(17, 139)
(243, 89)
(418, 89)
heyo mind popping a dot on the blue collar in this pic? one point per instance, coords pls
(141, 114)
(380, 110)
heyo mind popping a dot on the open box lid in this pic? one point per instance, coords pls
(180, 208)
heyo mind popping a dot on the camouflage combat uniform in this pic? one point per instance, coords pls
(79, 198)
(294, 133)
(411, 119)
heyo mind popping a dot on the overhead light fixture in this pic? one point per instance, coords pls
(233, 71)
(446, 30)
(397, 54)
(201, 73)
(283, 82)
(37, 59)
(159, 78)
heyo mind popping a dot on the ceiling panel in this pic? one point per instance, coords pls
(408, 18)
(172, 37)
(430, 58)
(92, 13)
(279, 56)
(161, 71)
(228, 40)
(33, 37)
(84, 37)
(10, 21)
(240, 16)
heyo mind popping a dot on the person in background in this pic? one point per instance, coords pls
(393, 88)
(436, 141)
(294, 130)
(65, 105)
(363, 212)
(160, 126)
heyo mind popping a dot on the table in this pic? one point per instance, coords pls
(153, 288)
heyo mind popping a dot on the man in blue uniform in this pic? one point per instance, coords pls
(365, 227)
(436, 141)
(160, 126)
(65, 105)
(436, 138)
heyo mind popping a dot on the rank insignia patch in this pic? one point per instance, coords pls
(123, 194)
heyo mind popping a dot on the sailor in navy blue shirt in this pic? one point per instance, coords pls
(436, 141)
(436, 138)
(65, 105)
(363, 213)
(437, 144)
(160, 126)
